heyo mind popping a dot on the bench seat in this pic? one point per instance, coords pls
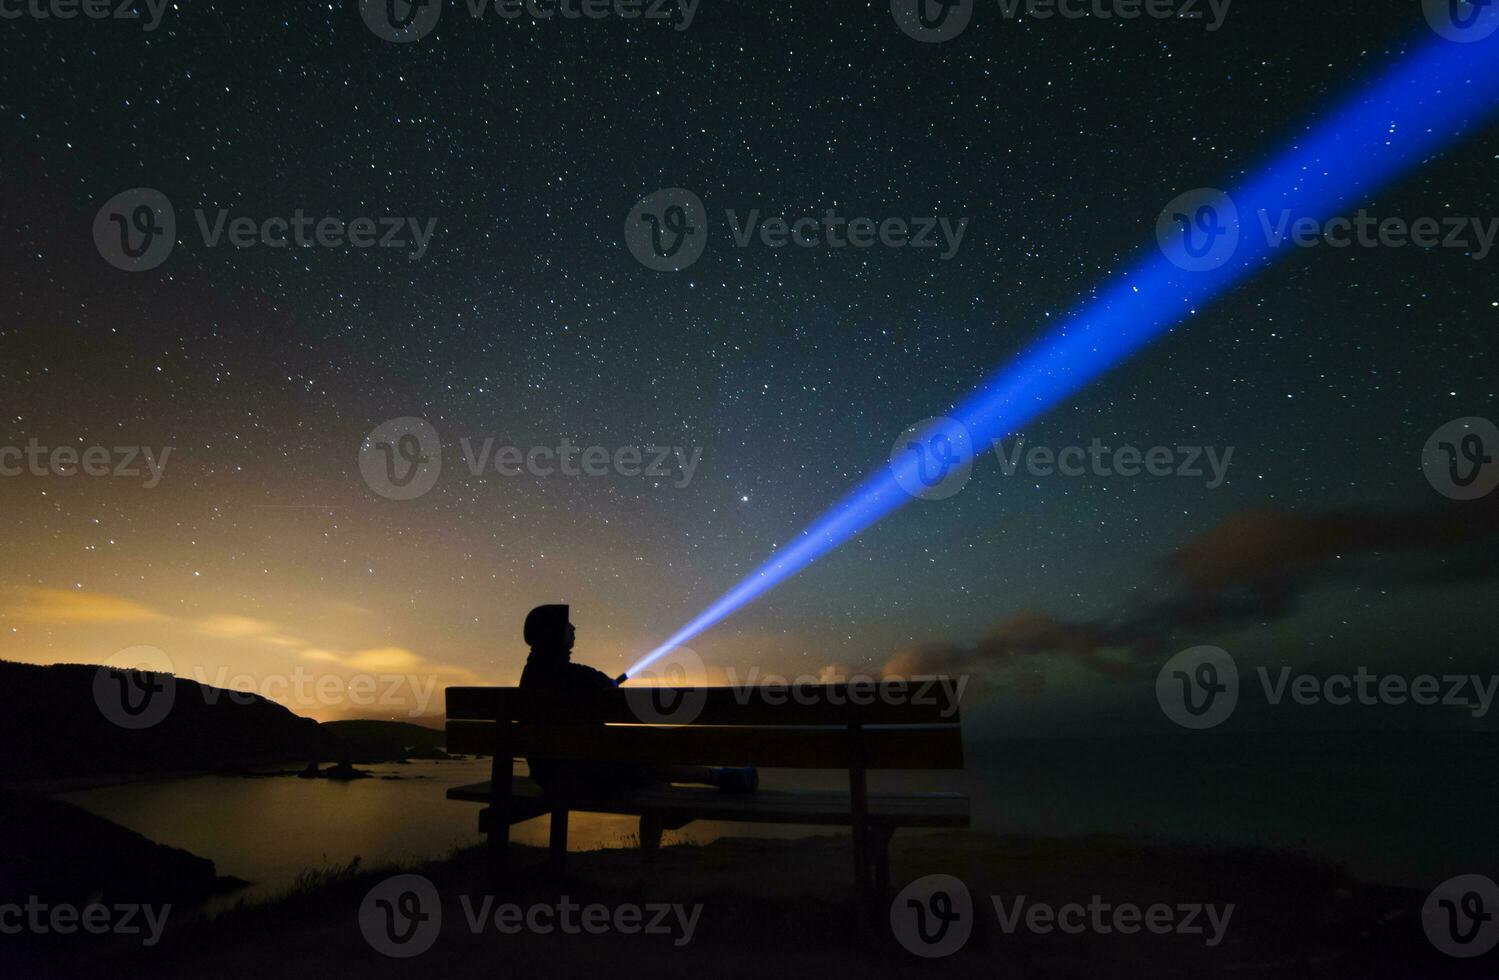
(529, 800)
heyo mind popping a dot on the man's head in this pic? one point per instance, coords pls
(548, 630)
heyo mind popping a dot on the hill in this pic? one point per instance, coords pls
(378, 741)
(62, 721)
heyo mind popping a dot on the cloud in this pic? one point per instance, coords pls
(377, 660)
(234, 627)
(387, 660)
(836, 674)
(281, 640)
(1256, 547)
(63, 607)
(49, 607)
(1252, 568)
(1006, 644)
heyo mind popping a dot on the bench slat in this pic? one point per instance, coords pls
(822, 807)
(923, 701)
(905, 747)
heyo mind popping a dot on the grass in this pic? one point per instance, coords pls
(775, 906)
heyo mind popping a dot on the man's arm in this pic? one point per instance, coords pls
(584, 676)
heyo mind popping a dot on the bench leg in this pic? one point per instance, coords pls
(651, 826)
(858, 791)
(881, 840)
(862, 866)
(557, 846)
(501, 773)
(498, 846)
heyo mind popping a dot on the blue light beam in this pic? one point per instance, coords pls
(1426, 102)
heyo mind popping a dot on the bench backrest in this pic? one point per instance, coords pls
(896, 725)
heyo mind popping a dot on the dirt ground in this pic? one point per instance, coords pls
(767, 908)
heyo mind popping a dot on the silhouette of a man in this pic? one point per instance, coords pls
(550, 636)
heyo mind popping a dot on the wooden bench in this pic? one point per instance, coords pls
(903, 725)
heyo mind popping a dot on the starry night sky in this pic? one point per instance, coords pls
(794, 369)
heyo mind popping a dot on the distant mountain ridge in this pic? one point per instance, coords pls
(52, 725)
(371, 741)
